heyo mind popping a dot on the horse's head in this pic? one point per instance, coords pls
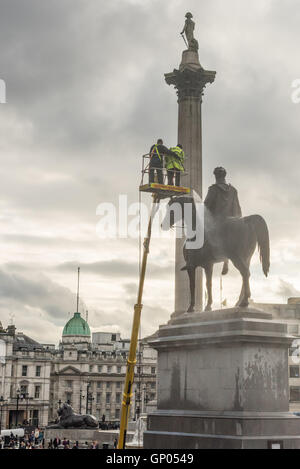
(175, 211)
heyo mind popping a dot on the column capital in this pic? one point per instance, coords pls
(190, 81)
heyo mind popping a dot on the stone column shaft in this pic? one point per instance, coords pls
(190, 81)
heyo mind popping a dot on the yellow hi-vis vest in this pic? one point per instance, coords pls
(175, 163)
(155, 152)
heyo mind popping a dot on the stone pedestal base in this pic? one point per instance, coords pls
(222, 382)
(192, 430)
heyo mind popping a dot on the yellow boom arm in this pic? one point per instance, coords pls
(131, 362)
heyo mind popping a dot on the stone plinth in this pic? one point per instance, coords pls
(222, 382)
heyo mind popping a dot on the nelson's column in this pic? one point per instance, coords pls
(222, 375)
(189, 81)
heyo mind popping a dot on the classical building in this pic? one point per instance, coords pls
(25, 379)
(89, 372)
(290, 314)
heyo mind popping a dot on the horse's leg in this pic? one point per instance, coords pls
(241, 297)
(208, 274)
(191, 272)
(243, 268)
(225, 268)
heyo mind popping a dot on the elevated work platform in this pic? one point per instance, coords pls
(164, 191)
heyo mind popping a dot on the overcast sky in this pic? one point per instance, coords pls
(86, 97)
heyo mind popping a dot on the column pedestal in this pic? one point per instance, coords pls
(222, 383)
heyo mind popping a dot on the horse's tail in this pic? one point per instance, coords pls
(263, 241)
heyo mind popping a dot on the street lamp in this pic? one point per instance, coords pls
(80, 400)
(137, 403)
(89, 398)
(146, 397)
(26, 396)
(2, 400)
(18, 397)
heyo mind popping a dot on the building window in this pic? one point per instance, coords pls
(153, 370)
(107, 385)
(23, 389)
(113, 337)
(153, 385)
(99, 384)
(91, 368)
(99, 368)
(24, 370)
(119, 369)
(69, 384)
(294, 372)
(117, 414)
(108, 398)
(38, 371)
(35, 417)
(98, 397)
(109, 369)
(118, 384)
(118, 398)
(294, 394)
(68, 397)
(37, 391)
(293, 329)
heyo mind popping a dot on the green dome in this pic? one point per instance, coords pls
(76, 326)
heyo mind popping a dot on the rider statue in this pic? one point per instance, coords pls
(188, 30)
(222, 198)
(222, 202)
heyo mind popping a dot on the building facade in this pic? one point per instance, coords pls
(89, 371)
(25, 379)
(290, 314)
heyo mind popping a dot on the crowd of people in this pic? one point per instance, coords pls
(33, 440)
(37, 441)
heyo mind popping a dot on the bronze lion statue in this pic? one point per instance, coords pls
(68, 419)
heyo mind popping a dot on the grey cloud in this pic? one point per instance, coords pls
(86, 97)
(38, 291)
(287, 290)
(116, 268)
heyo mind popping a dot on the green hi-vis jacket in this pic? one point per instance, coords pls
(175, 163)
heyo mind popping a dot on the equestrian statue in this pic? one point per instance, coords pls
(227, 236)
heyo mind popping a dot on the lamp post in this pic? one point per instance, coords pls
(27, 398)
(1, 408)
(17, 410)
(146, 397)
(89, 398)
(80, 400)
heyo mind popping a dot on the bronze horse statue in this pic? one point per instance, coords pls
(68, 419)
(228, 238)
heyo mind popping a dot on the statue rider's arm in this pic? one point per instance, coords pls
(237, 207)
(209, 201)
